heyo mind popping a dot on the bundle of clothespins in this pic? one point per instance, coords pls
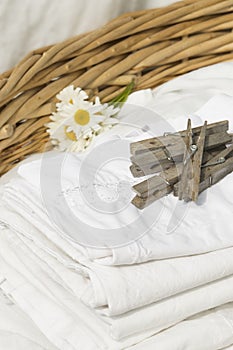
(185, 163)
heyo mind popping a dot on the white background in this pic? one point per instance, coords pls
(29, 24)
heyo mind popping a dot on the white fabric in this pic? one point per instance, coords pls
(165, 228)
(111, 287)
(103, 283)
(210, 331)
(163, 314)
(71, 326)
(16, 329)
(184, 94)
(188, 93)
(41, 277)
(51, 305)
(119, 289)
(114, 289)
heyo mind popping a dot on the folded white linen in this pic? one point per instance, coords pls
(115, 290)
(119, 291)
(17, 330)
(189, 92)
(161, 315)
(71, 326)
(209, 331)
(155, 317)
(149, 320)
(219, 107)
(165, 229)
(101, 257)
(38, 295)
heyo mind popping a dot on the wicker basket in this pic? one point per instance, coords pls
(150, 47)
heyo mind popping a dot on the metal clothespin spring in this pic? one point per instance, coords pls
(218, 161)
(169, 157)
(193, 149)
(168, 133)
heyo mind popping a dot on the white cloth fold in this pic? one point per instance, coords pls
(71, 326)
(145, 321)
(50, 274)
(189, 92)
(114, 289)
(155, 280)
(17, 330)
(164, 230)
(210, 331)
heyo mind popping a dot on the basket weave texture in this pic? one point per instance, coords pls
(149, 47)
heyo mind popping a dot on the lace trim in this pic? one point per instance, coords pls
(105, 191)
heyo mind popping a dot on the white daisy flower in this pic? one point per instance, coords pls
(63, 140)
(72, 95)
(82, 120)
(59, 138)
(109, 112)
(77, 121)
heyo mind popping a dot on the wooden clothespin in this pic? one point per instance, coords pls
(191, 172)
(214, 170)
(197, 161)
(183, 192)
(152, 155)
(148, 169)
(217, 168)
(186, 162)
(156, 187)
(142, 203)
(170, 139)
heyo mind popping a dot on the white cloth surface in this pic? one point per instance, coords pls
(210, 331)
(188, 93)
(16, 329)
(156, 316)
(179, 97)
(28, 25)
(163, 230)
(111, 287)
(208, 218)
(71, 326)
(163, 314)
(115, 289)
(55, 290)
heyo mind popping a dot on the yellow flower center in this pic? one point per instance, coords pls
(71, 101)
(82, 117)
(70, 134)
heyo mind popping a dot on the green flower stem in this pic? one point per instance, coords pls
(123, 96)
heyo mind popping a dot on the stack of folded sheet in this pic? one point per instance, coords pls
(169, 288)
